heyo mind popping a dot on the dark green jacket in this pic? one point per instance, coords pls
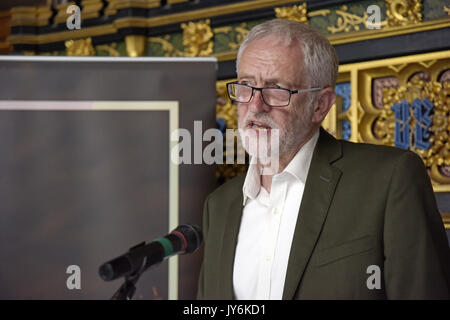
(362, 205)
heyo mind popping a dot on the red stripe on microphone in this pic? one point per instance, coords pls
(178, 233)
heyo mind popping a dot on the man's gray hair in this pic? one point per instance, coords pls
(320, 58)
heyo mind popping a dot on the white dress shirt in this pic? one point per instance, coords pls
(267, 228)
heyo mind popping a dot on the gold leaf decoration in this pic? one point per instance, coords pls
(82, 47)
(227, 111)
(111, 49)
(438, 94)
(296, 13)
(403, 12)
(447, 10)
(197, 38)
(167, 47)
(347, 21)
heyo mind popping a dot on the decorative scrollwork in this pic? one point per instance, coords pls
(82, 47)
(377, 89)
(403, 12)
(110, 49)
(167, 47)
(296, 13)
(225, 109)
(447, 10)
(241, 33)
(197, 38)
(347, 21)
(433, 122)
(226, 112)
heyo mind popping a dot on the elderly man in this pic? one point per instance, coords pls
(337, 220)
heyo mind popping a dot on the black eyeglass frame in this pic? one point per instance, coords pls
(291, 92)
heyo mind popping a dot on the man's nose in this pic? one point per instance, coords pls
(257, 103)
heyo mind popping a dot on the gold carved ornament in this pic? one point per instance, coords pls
(437, 156)
(136, 45)
(167, 47)
(240, 32)
(347, 21)
(403, 12)
(82, 47)
(110, 49)
(296, 13)
(447, 10)
(197, 38)
(226, 110)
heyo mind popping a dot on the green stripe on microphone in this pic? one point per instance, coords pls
(167, 245)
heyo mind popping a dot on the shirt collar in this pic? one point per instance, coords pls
(298, 167)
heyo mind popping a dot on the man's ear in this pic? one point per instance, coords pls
(323, 104)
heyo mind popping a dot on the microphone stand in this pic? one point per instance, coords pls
(128, 288)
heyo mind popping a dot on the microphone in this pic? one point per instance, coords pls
(184, 239)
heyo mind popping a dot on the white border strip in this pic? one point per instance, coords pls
(171, 106)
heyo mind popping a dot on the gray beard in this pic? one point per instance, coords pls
(289, 139)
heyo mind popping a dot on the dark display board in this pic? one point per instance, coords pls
(86, 171)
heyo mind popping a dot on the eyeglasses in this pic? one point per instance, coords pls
(273, 97)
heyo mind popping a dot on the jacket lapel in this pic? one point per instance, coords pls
(317, 196)
(229, 243)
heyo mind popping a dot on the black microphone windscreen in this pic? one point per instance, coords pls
(193, 235)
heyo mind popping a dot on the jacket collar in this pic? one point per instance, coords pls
(319, 190)
(298, 167)
(317, 197)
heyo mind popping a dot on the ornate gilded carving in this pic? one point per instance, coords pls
(136, 45)
(432, 123)
(168, 48)
(297, 13)
(323, 13)
(225, 109)
(347, 21)
(241, 33)
(197, 38)
(403, 12)
(82, 47)
(447, 10)
(237, 34)
(110, 49)
(404, 102)
(226, 113)
(377, 89)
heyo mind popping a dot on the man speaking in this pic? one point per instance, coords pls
(337, 220)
